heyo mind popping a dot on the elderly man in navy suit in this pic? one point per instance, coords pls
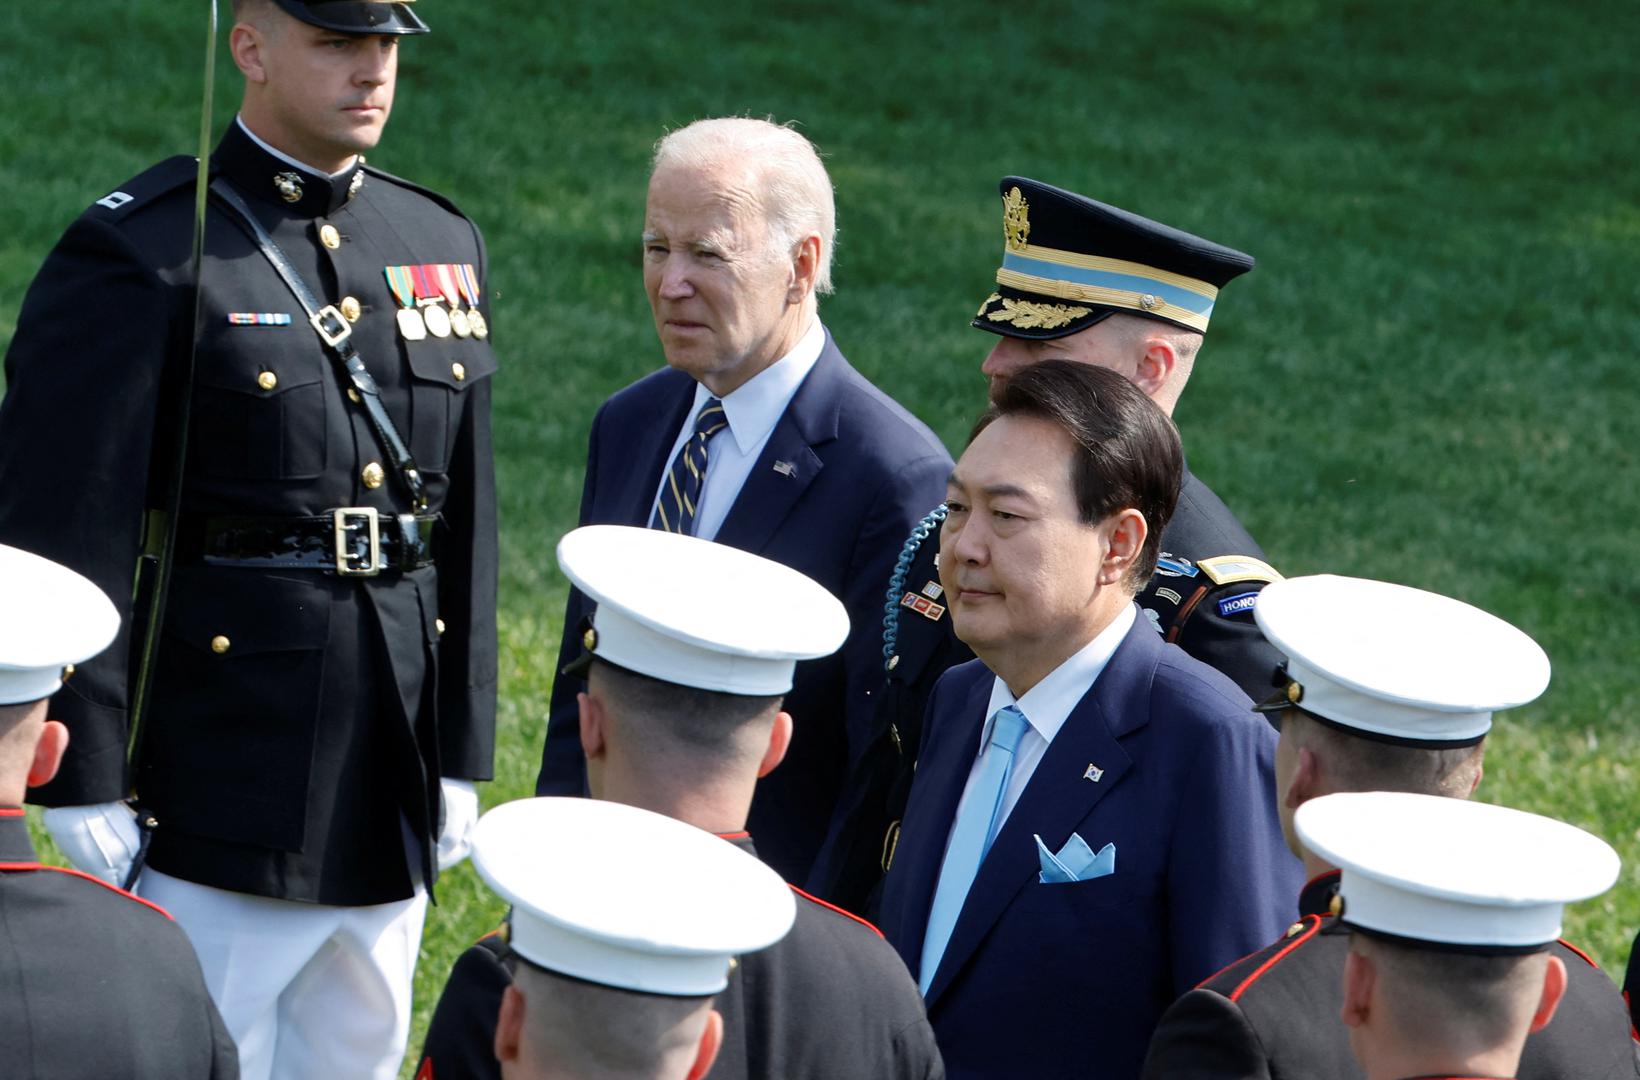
(758, 435)
(1091, 831)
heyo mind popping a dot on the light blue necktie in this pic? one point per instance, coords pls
(971, 837)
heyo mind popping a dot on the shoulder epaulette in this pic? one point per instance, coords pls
(833, 907)
(1224, 569)
(141, 190)
(411, 185)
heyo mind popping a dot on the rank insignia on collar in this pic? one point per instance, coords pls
(355, 184)
(289, 185)
(1016, 221)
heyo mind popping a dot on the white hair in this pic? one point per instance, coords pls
(796, 193)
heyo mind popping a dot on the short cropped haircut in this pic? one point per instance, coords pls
(681, 725)
(795, 192)
(1357, 763)
(1435, 994)
(1128, 450)
(594, 1030)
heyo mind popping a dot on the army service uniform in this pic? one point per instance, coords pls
(1274, 1015)
(310, 689)
(831, 999)
(95, 983)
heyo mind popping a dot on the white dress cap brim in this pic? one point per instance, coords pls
(627, 898)
(700, 614)
(50, 617)
(1398, 662)
(1453, 871)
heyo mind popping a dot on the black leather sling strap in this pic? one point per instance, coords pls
(337, 334)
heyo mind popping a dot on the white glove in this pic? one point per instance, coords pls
(101, 839)
(455, 836)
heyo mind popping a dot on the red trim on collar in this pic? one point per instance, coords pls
(834, 907)
(426, 1070)
(741, 835)
(1318, 879)
(89, 877)
(1310, 930)
(11, 811)
(1587, 958)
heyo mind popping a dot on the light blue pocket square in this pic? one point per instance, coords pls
(1076, 861)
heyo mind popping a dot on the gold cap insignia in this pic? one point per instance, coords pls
(989, 300)
(289, 185)
(1295, 693)
(1016, 222)
(1336, 907)
(1029, 316)
(589, 640)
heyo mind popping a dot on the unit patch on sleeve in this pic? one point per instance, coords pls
(1240, 604)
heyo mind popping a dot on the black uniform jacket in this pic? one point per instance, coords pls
(1274, 1015)
(1201, 598)
(94, 982)
(831, 999)
(297, 716)
(1631, 987)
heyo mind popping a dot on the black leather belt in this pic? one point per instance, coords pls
(353, 541)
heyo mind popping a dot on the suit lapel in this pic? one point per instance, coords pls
(1059, 795)
(651, 448)
(769, 494)
(941, 776)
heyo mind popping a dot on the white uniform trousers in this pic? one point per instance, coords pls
(306, 990)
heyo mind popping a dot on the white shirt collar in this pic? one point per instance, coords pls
(1049, 703)
(754, 407)
(286, 158)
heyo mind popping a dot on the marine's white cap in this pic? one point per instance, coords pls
(1396, 663)
(50, 617)
(695, 613)
(1453, 872)
(627, 898)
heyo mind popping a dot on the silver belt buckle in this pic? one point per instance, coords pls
(348, 520)
(329, 316)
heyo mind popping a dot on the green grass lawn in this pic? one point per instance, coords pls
(1430, 377)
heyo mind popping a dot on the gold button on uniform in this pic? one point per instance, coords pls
(354, 396)
(329, 237)
(1296, 929)
(351, 309)
(373, 475)
(220, 644)
(438, 624)
(267, 380)
(459, 370)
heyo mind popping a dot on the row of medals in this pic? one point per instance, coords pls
(428, 318)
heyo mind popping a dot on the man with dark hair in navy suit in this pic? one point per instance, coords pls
(1090, 833)
(758, 435)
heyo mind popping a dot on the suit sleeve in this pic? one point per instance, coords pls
(467, 596)
(461, 1035)
(1231, 879)
(84, 374)
(563, 764)
(1204, 1036)
(896, 510)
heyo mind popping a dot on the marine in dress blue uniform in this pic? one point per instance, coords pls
(326, 668)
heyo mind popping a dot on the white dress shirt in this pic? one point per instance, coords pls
(1046, 707)
(752, 411)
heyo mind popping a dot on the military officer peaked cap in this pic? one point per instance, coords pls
(1393, 663)
(1069, 262)
(50, 617)
(356, 16)
(1453, 873)
(623, 897)
(688, 611)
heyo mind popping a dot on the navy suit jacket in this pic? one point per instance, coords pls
(1070, 979)
(864, 471)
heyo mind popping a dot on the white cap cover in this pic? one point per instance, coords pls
(695, 613)
(627, 898)
(1398, 662)
(1452, 871)
(49, 617)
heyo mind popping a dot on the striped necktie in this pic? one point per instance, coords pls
(971, 837)
(679, 500)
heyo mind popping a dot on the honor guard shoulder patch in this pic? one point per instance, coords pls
(1225, 569)
(142, 189)
(1240, 604)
